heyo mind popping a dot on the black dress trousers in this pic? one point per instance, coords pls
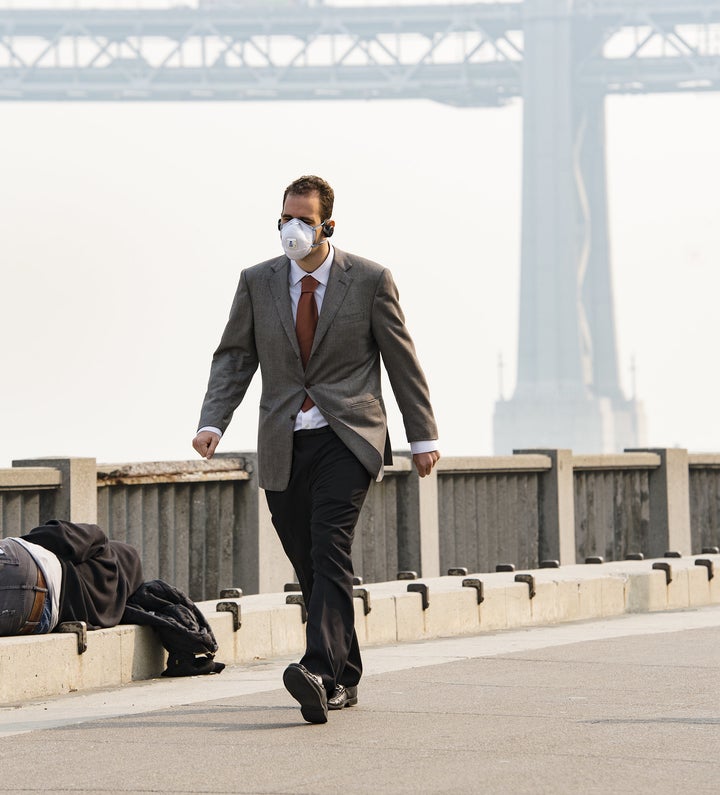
(315, 518)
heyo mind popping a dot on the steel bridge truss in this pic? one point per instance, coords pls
(652, 46)
(469, 55)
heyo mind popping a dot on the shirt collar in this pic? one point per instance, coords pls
(322, 274)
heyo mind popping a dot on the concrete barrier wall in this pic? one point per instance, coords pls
(196, 526)
(204, 526)
(489, 511)
(704, 500)
(612, 504)
(46, 665)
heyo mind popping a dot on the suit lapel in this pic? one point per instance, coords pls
(279, 286)
(335, 292)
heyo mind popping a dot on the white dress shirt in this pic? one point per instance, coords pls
(312, 418)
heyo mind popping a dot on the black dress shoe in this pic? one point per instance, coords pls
(309, 691)
(343, 697)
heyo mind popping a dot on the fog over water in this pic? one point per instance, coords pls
(124, 227)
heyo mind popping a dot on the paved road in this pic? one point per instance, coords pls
(630, 704)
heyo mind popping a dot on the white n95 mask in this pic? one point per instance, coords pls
(298, 238)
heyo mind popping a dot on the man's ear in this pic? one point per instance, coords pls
(328, 228)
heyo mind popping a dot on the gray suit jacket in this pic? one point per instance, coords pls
(360, 321)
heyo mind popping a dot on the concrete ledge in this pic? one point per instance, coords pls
(36, 478)
(47, 665)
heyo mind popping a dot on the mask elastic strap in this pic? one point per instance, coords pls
(319, 226)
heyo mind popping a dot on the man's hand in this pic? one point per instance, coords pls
(205, 443)
(424, 462)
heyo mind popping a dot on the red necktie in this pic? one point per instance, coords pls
(305, 325)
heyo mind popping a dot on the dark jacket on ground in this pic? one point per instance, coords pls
(181, 626)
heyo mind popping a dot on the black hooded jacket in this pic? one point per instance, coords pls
(98, 575)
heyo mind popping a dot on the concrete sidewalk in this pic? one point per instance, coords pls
(624, 704)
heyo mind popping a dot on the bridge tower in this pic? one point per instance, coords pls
(568, 392)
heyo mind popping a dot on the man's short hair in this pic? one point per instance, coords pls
(302, 186)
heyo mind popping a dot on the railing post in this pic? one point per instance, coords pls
(419, 514)
(669, 486)
(556, 507)
(274, 568)
(76, 499)
(429, 523)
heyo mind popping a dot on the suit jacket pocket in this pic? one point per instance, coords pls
(362, 401)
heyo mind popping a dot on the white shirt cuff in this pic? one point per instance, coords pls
(424, 447)
(210, 428)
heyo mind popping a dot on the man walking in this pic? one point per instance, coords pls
(317, 321)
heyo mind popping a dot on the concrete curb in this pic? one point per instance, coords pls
(47, 665)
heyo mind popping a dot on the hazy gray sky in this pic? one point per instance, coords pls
(124, 227)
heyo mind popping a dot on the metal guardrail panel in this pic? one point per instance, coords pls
(612, 512)
(22, 492)
(192, 534)
(19, 512)
(488, 517)
(704, 484)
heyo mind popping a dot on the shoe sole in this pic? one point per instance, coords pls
(310, 697)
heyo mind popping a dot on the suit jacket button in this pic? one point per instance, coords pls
(293, 416)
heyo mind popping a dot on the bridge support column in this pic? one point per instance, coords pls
(568, 393)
